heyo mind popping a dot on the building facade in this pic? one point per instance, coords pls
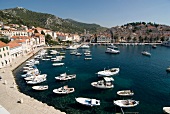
(5, 57)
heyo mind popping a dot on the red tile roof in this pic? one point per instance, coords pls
(38, 34)
(20, 41)
(13, 44)
(2, 44)
(20, 37)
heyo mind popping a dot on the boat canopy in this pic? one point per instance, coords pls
(93, 101)
(108, 79)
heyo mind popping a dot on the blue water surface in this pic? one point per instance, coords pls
(146, 76)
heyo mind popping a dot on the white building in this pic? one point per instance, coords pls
(25, 42)
(5, 57)
(68, 37)
(40, 39)
(15, 49)
(13, 33)
(103, 39)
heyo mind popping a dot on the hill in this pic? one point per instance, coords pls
(30, 18)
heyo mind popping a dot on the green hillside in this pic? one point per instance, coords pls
(49, 21)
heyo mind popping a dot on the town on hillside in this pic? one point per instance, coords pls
(19, 40)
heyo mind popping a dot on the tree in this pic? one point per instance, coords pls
(121, 39)
(111, 32)
(162, 38)
(42, 32)
(140, 39)
(143, 23)
(134, 39)
(116, 38)
(36, 31)
(95, 38)
(5, 40)
(129, 38)
(48, 38)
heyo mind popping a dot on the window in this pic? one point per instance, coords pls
(6, 48)
(0, 49)
(3, 49)
(8, 53)
(4, 54)
(0, 56)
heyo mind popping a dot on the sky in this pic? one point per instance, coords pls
(107, 13)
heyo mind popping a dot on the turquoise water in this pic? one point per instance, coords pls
(146, 76)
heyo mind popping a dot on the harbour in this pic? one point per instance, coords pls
(146, 76)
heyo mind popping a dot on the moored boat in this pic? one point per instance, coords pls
(154, 46)
(64, 90)
(88, 101)
(40, 88)
(168, 69)
(89, 58)
(113, 51)
(78, 54)
(36, 81)
(125, 93)
(72, 47)
(166, 110)
(146, 53)
(33, 77)
(104, 84)
(64, 77)
(126, 103)
(84, 46)
(108, 72)
(112, 46)
(58, 64)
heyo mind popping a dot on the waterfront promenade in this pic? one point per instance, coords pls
(16, 102)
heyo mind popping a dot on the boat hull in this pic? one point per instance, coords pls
(88, 101)
(126, 103)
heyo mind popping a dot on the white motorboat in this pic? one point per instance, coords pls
(53, 52)
(40, 88)
(112, 46)
(104, 84)
(45, 59)
(33, 77)
(154, 46)
(113, 51)
(125, 93)
(73, 53)
(72, 47)
(126, 103)
(88, 101)
(146, 53)
(85, 46)
(36, 81)
(168, 69)
(64, 90)
(27, 68)
(64, 77)
(78, 54)
(108, 72)
(31, 72)
(166, 110)
(89, 58)
(58, 64)
(56, 60)
(49, 56)
(88, 55)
